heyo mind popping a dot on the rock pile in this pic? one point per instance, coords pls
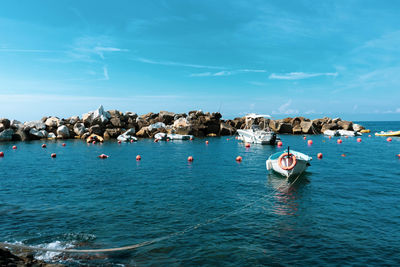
(115, 124)
(9, 259)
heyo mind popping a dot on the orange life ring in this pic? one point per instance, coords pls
(287, 155)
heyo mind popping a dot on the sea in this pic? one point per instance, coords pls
(214, 211)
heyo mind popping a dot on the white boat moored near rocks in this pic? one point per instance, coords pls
(288, 163)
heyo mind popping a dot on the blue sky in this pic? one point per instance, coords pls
(285, 58)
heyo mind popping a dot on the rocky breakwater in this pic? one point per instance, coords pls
(9, 259)
(114, 124)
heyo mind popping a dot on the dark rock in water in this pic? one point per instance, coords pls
(346, 125)
(9, 259)
(226, 129)
(285, 128)
(6, 135)
(20, 135)
(96, 129)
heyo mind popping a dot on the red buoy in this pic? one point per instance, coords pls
(206, 142)
(190, 158)
(319, 155)
(155, 140)
(238, 158)
(343, 155)
(14, 147)
(330, 137)
(247, 145)
(1, 154)
(359, 140)
(389, 139)
(103, 156)
(304, 137)
(44, 146)
(53, 155)
(167, 139)
(64, 144)
(310, 142)
(131, 140)
(119, 141)
(138, 157)
(339, 141)
(191, 139)
(369, 135)
(279, 143)
(94, 142)
(346, 136)
(397, 155)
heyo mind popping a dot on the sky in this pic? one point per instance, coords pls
(285, 58)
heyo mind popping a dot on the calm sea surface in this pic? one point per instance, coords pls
(343, 211)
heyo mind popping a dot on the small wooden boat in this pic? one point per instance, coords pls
(288, 163)
(389, 133)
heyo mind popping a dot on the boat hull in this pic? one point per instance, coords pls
(260, 137)
(397, 133)
(302, 163)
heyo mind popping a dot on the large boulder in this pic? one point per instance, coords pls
(96, 129)
(226, 129)
(72, 120)
(156, 125)
(79, 129)
(14, 124)
(329, 126)
(127, 136)
(345, 125)
(306, 127)
(357, 127)
(166, 117)
(297, 129)
(36, 134)
(285, 128)
(52, 122)
(111, 133)
(62, 132)
(143, 132)
(4, 124)
(20, 135)
(38, 125)
(99, 116)
(6, 135)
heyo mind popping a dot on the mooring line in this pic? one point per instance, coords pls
(152, 241)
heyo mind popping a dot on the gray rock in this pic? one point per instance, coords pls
(62, 132)
(127, 136)
(306, 127)
(6, 123)
(38, 125)
(157, 125)
(16, 124)
(52, 136)
(357, 127)
(52, 122)
(38, 134)
(6, 135)
(79, 129)
(96, 129)
(72, 120)
(20, 135)
(226, 129)
(98, 116)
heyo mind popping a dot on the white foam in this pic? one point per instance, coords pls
(49, 255)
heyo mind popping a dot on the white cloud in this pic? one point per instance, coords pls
(100, 50)
(177, 64)
(299, 75)
(284, 109)
(29, 50)
(105, 72)
(202, 74)
(225, 73)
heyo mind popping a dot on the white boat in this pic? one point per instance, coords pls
(288, 163)
(256, 135)
(180, 137)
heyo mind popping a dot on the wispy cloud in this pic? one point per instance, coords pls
(105, 72)
(178, 64)
(225, 73)
(299, 75)
(284, 109)
(29, 50)
(101, 49)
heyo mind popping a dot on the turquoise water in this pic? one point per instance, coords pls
(344, 210)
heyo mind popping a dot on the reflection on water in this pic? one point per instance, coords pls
(286, 193)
